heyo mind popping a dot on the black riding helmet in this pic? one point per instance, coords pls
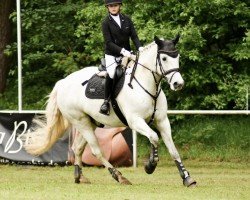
(108, 2)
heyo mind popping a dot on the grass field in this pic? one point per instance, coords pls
(207, 138)
(216, 180)
(215, 150)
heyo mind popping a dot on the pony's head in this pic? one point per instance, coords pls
(168, 62)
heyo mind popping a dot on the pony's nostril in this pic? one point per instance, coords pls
(177, 85)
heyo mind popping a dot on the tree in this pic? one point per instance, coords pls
(60, 37)
(6, 8)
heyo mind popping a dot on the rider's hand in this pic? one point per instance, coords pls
(125, 53)
(141, 49)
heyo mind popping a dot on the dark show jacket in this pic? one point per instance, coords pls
(116, 38)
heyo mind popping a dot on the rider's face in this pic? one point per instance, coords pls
(114, 8)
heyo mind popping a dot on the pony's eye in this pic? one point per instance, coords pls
(164, 58)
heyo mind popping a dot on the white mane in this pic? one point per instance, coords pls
(146, 53)
(148, 46)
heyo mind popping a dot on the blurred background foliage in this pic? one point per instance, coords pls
(62, 36)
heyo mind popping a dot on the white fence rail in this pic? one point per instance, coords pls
(170, 112)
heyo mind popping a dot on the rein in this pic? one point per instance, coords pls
(157, 84)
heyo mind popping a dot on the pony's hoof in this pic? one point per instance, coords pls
(150, 167)
(77, 180)
(84, 180)
(124, 181)
(189, 182)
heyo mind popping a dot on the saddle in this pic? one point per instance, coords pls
(95, 88)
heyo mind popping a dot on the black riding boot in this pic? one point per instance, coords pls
(105, 108)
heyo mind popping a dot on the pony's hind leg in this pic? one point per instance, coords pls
(165, 130)
(87, 132)
(78, 148)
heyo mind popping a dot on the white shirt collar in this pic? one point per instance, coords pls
(117, 19)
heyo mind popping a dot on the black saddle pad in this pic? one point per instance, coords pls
(95, 87)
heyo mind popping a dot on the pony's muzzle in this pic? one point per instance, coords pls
(178, 85)
(176, 82)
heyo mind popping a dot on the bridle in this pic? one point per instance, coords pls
(163, 72)
(158, 62)
(154, 73)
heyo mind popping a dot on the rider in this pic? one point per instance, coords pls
(117, 29)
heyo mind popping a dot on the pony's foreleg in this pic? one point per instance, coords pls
(139, 125)
(78, 148)
(165, 131)
(88, 134)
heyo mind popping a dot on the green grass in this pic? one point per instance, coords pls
(215, 150)
(216, 180)
(207, 138)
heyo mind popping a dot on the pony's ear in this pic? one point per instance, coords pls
(175, 41)
(158, 41)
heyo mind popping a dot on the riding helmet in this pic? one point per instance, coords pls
(108, 2)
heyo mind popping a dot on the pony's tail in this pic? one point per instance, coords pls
(47, 131)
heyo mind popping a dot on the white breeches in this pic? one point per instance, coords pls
(111, 64)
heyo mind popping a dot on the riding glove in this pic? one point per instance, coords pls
(125, 53)
(141, 49)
